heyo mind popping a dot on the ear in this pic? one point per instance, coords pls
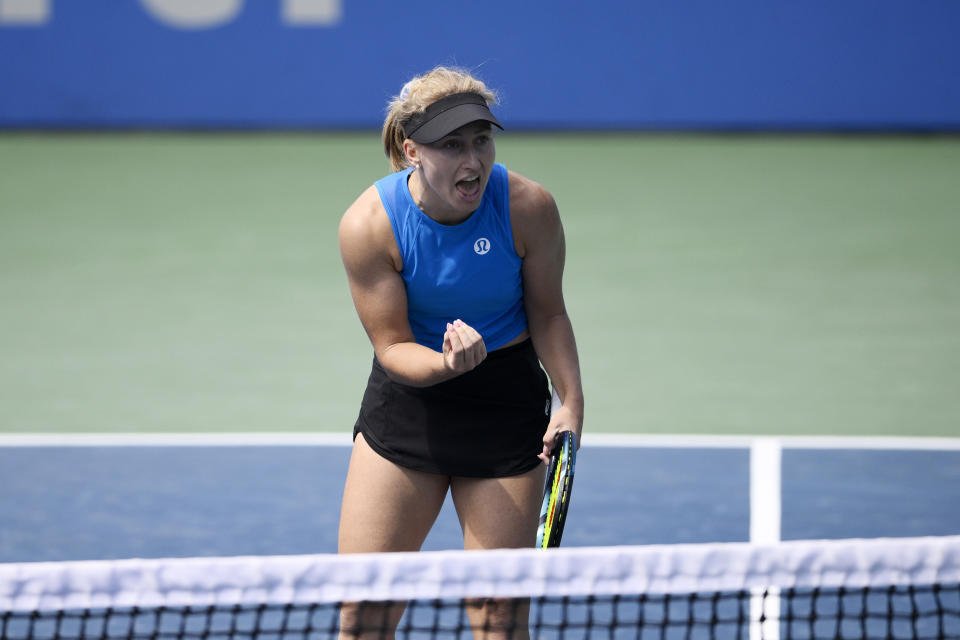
(412, 151)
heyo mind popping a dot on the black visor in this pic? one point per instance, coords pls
(446, 115)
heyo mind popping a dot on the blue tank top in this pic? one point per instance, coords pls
(469, 271)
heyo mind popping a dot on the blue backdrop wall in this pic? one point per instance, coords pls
(768, 64)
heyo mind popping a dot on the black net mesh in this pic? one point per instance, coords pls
(894, 612)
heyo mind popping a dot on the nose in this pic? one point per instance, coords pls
(471, 156)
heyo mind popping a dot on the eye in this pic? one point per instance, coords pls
(452, 143)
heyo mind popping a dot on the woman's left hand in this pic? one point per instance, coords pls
(561, 419)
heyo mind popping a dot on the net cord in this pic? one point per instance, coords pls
(572, 571)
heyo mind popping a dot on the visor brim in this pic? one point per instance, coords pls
(451, 120)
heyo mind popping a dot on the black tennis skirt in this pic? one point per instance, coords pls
(486, 423)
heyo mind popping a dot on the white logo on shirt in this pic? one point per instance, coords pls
(482, 246)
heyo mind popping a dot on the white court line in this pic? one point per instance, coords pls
(336, 439)
(765, 477)
(786, 442)
(765, 512)
(176, 440)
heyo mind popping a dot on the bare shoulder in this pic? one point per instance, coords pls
(363, 216)
(365, 229)
(529, 198)
(533, 212)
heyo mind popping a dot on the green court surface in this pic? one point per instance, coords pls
(717, 284)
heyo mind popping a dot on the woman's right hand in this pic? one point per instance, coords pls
(463, 348)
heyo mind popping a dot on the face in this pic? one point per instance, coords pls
(455, 170)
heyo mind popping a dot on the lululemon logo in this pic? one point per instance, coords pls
(481, 246)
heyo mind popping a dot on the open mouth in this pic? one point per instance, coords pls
(469, 189)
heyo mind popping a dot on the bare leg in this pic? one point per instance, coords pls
(386, 507)
(498, 513)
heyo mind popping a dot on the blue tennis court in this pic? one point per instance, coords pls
(101, 502)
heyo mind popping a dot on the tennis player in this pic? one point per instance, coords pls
(455, 266)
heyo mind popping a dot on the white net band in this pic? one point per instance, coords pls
(459, 574)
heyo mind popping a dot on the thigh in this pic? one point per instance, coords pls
(499, 513)
(387, 507)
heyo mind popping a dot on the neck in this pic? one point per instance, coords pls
(422, 193)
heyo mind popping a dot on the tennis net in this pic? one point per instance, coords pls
(881, 588)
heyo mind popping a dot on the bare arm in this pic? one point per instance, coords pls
(540, 242)
(373, 263)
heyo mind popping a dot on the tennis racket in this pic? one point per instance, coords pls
(556, 490)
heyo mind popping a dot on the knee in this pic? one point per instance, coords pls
(369, 620)
(500, 617)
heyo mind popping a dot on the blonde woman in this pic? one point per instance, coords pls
(455, 266)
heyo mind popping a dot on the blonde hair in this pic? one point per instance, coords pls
(419, 93)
